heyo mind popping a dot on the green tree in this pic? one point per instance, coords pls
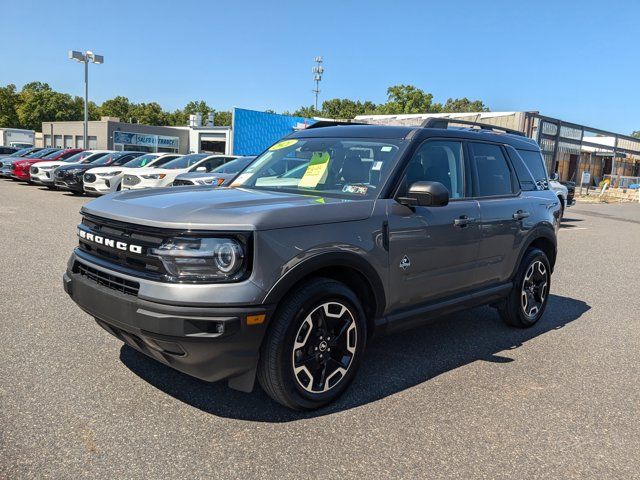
(119, 107)
(636, 134)
(149, 114)
(463, 105)
(407, 99)
(39, 103)
(198, 106)
(345, 108)
(8, 106)
(307, 112)
(222, 118)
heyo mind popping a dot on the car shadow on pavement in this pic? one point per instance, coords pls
(391, 364)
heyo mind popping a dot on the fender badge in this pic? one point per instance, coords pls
(405, 263)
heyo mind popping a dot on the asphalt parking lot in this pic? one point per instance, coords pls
(466, 397)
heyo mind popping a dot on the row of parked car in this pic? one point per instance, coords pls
(97, 172)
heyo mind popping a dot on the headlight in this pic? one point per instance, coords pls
(109, 174)
(203, 259)
(154, 176)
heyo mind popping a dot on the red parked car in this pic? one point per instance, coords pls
(20, 168)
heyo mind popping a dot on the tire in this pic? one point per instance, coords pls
(561, 208)
(290, 370)
(528, 299)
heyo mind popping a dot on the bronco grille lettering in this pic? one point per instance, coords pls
(108, 242)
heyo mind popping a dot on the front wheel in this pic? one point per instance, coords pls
(528, 299)
(313, 346)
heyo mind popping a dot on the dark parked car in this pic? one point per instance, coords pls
(286, 277)
(70, 177)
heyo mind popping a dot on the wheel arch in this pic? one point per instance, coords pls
(348, 268)
(543, 238)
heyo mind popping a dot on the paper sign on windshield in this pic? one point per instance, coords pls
(283, 144)
(316, 171)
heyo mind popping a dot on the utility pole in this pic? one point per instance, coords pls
(318, 70)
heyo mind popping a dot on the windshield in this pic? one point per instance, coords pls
(141, 161)
(98, 158)
(233, 166)
(78, 157)
(343, 167)
(21, 152)
(186, 161)
(535, 162)
(52, 155)
(42, 153)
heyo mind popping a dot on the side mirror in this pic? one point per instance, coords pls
(201, 169)
(426, 194)
(554, 176)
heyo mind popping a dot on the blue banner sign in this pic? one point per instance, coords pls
(145, 140)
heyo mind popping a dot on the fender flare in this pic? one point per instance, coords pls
(542, 231)
(330, 259)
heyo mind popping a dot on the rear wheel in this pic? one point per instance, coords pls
(314, 345)
(528, 299)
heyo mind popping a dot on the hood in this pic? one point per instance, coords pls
(52, 163)
(109, 169)
(197, 175)
(22, 163)
(80, 167)
(204, 208)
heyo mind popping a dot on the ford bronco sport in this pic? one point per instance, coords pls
(332, 235)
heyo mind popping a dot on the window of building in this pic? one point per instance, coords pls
(68, 141)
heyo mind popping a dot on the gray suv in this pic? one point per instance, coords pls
(332, 235)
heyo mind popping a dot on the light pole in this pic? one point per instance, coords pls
(318, 70)
(85, 58)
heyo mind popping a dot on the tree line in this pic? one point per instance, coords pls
(37, 102)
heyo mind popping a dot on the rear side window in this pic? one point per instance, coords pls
(492, 170)
(535, 163)
(525, 177)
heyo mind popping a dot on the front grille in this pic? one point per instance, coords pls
(89, 177)
(130, 180)
(148, 265)
(178, 182)
(107, 279)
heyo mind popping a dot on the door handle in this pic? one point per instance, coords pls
(463, 221)
(520, 214)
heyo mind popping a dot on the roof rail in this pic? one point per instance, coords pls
(332, 123)
(434, 122)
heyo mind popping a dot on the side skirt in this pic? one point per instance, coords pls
(427, 313)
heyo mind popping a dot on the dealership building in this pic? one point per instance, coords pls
(569, 149)
(251, 132)
(109, 133)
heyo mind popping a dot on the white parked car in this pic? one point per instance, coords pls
(42, 172)
(164, 177)
(101, 180)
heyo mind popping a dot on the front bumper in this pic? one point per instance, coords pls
(211, 343)
(101, 185)
(145, 183)
(69, 182)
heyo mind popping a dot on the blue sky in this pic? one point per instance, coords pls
(577, 60)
